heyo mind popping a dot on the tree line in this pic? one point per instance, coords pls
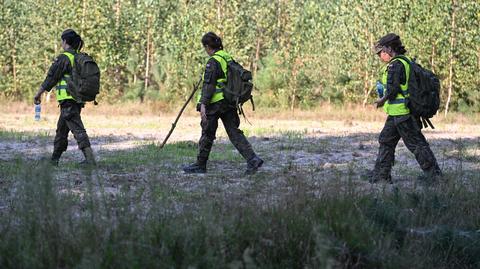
(301, 52)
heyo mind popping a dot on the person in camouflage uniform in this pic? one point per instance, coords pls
(212, 107)
(400, 123)
(70, 110)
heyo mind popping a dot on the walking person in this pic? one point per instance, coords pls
(70, 109)
(400, 123)
(212, 107)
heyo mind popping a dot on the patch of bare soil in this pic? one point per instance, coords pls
(300, 155)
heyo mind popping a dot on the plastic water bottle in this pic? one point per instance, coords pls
(380, 89)
(38, 108)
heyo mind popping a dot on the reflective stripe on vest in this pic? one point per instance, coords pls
(61, 89)
(222, 58)
(397, 107)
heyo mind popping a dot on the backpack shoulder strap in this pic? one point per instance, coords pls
(220, 57)
(70, 56)
(403, 57)
(407, 64)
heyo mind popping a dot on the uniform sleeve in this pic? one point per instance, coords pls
(59, 67)
(213, 72)
(396, 77)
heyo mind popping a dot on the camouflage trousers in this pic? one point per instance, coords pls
(231, 122)
(407, 128)
(69, 120)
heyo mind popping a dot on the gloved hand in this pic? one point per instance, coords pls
(380, 89)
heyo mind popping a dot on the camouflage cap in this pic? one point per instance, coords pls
(377, 48)
(386, 41)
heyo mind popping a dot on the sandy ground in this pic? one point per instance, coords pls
(299, 149)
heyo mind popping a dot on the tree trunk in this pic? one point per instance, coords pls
(432, 58)
(297, 63)
(147, 60)
(478, 58)
(279, 21)
(451, 58)
(366, 78)
(294, 92)
(218, 3)
(117, 73)
(257, 57)
(55, 40)
(14, 65)
(367, 89)
(84, 13)
(368, 75)
(118, 9)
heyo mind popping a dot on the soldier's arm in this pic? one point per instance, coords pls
(210, 81)
(396, 76)
(55, 73)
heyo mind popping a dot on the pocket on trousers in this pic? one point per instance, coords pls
(69, 112)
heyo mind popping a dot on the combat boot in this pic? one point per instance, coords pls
(376, 179)
(430, 176)
(373, 177)
(89, 157)
(50, 161)
(55, 158)
(195, 168)
(253, 164)
(54, 162)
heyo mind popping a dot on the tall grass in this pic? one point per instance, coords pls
(47, 224)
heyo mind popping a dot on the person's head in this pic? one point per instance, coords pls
(389, 46)
(212, 43)
(71, 40)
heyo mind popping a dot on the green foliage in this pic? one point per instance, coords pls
(301, 52)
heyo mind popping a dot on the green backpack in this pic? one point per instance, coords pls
(239, 85)
(424, 92)
(84, 84)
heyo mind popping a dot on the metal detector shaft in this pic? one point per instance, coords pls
(174, 124)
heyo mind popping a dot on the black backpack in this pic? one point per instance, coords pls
(84, 84)
(239, 85)
(424, 92)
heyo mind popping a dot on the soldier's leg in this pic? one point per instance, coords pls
(75, 124)
(231, 122)
(415, 141)
(388, 140)
(60, 142)
(209, 129)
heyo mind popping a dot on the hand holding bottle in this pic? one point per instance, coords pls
(380, 89)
